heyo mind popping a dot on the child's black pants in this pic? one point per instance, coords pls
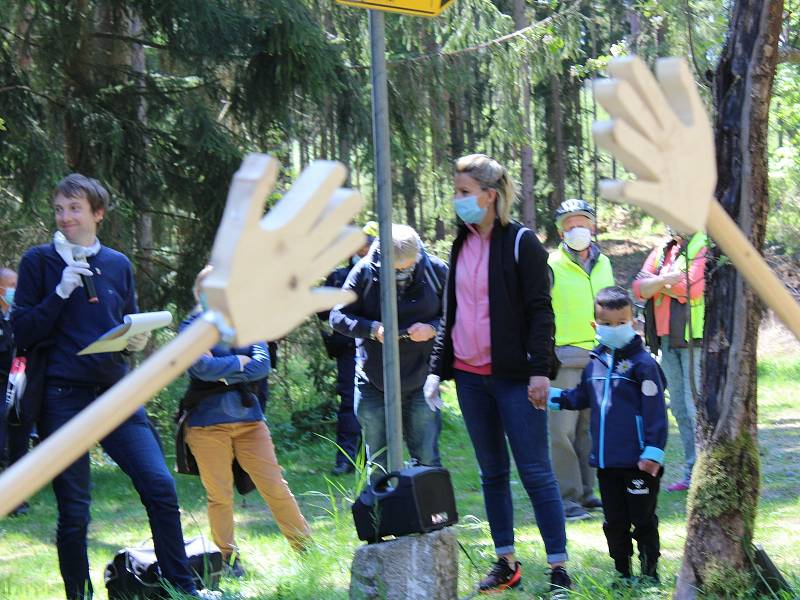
(629, 500)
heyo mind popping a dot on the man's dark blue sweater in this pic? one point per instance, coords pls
(41, 314)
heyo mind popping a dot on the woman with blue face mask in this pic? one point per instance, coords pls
(496, 342)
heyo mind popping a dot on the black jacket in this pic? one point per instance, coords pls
(419, 303)
(6, 348)
(520, 313)
(337, 344)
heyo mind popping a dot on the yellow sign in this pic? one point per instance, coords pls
(420, 8)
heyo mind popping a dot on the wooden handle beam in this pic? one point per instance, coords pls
(25, 477)
(753, 267)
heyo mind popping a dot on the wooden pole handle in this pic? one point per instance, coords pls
(753, 267)
(25, 477)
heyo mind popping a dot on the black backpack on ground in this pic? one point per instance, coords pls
(134, 573)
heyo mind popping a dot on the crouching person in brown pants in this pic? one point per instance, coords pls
(225, 422)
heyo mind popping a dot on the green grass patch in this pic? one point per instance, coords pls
(29, 567)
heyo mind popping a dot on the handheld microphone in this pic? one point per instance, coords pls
(88, 282)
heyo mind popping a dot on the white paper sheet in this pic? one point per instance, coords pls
(117, 338)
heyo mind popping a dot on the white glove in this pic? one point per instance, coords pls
(431, 392)
(136, 343)
(71, 278)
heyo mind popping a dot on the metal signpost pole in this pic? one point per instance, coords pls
(380, 137)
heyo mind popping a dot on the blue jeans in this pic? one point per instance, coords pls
(495, 409)
(676, 367)
(134, 448)
(421, 426)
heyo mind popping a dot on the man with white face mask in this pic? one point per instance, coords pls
(578, 271)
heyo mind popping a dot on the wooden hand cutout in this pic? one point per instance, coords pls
(261, 286)
(267, 290)
(660, 132)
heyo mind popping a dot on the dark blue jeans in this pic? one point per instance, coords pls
(495, 409)
(133, 447)
(348, 431)
(421, 426)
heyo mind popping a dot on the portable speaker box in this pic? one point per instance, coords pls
(421, 500)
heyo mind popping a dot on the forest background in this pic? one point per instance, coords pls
(160, 100)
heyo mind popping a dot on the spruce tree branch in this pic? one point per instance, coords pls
(157, 45)
(483, 45)
(25, 88)
(133, 40)
(20, 37)
(171, 215)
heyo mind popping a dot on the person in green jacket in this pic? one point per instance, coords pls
(578, 271)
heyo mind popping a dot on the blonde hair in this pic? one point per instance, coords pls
(490, 174)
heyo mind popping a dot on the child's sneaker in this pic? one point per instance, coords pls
(679, 486)
(502, 576)
(560, 583)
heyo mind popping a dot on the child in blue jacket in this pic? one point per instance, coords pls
(624, 387)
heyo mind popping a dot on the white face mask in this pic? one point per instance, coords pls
(578, 238)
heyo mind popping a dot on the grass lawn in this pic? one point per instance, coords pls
(29, 567)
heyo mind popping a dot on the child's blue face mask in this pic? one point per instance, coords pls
(8, 297)
(468, 210)
(204, 301)
(615, 337)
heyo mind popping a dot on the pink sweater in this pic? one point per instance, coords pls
(472, 342)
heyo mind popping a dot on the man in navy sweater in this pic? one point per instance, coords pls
(49, 306)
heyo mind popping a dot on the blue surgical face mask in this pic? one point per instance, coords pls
(615, 337)
(468, 210)
(204, 301)
(8, 297)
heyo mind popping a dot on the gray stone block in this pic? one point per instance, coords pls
(414, 567)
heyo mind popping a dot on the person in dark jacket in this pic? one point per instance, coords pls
(496, 341)
(17, 436)
(342, 348)
(226, 423)
(623, 386)
(49, 305)
(419, 278)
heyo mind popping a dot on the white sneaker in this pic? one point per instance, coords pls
(208, 594)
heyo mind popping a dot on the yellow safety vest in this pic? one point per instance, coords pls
(697, 307)
(573, 297)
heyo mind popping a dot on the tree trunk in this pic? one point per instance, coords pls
(722, 502)
(408, 185)
(437, 101)
(525, 149)
(556, 152)
(456, 110)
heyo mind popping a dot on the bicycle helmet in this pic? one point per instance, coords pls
(574, 206)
